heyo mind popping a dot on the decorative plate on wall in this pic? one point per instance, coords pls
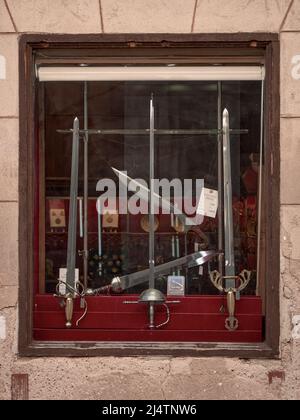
(146, 225)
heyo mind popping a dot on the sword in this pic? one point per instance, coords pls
(228, 217)
(119, 284)
(71, 292)
(231, 279)
(71, 251)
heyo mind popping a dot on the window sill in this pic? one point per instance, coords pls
(117, 349)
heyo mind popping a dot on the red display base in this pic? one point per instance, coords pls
(194, 319)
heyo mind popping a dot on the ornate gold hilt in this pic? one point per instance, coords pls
(231, 323)
(68, 301)
(69, 309)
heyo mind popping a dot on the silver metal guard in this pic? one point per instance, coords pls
(153, 297)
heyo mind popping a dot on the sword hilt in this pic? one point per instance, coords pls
(231, 323)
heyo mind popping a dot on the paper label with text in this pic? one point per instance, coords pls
(208, 203)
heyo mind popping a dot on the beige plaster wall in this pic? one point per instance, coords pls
(152, 377)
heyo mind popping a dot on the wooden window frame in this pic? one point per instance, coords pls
(246, 41)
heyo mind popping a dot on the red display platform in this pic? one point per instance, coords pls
(194, 319)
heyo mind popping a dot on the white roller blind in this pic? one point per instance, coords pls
(159, 73)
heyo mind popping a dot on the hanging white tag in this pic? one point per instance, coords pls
(208, 203)
(63, 277)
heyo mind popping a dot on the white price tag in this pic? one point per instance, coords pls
(63, 277)
(208, 203)
(176, 286)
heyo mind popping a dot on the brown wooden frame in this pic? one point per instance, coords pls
(28, 45)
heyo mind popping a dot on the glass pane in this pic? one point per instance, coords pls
(182, 160)
(196, 157)
(62, 102)
(243, 99)
(118, 106)
(118, 243)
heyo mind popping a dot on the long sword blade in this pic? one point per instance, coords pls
(151, 196)
(228, 217)
(85, 189)
(72, 229)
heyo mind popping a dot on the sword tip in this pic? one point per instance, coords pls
(115, 170)
(76, 122)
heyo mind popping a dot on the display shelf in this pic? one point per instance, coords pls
(124, 233)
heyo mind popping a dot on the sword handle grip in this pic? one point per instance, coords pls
(69, 309)
(231, 303)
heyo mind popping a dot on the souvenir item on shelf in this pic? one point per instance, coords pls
(238, 214)
(251, 253)
(250, 214)
(103, 267)
(110, 220)
(250, 180)
(49, 269)
(250, 176)
(145, 223)
(57, 215)
(177, 224)
(250, 244)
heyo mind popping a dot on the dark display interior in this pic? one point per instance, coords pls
(125, 238)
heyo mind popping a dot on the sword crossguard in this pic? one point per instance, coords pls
(231, 323)
(151, 309)
(71, 293)
(218, 281)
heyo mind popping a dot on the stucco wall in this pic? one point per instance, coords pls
(151, 378)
